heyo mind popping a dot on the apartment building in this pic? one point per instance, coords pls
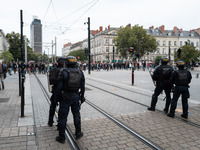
(102, 47)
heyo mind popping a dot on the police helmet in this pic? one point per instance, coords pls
(61, 60)
(164, 60)
(180, 64)
(71, 60)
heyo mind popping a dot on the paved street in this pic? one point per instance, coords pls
(31, 132)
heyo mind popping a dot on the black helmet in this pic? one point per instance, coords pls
(61, 60)
(164, 60)
(71, 60)
(180, 64)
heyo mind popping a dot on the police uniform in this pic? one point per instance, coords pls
(162, 76)
(181, 78)
(53, 81)
(70, 81)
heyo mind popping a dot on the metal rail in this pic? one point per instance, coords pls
(73, 144)
(160, 111)
(131, 131)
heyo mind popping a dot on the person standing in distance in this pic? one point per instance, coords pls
(70, 89)
(181, 78)
(162, 75)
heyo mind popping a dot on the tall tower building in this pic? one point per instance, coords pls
(36, 35)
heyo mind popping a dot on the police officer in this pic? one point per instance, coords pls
(181, 78)
(162, 76)
(70, 80)
(53, 75)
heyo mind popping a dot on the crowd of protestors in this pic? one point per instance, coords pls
(119, 66)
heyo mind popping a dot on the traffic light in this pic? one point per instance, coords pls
(179, 52)
(131, 50)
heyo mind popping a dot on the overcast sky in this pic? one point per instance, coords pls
(65, 19)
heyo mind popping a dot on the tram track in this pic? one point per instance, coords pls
(136, 102)
(75, 146)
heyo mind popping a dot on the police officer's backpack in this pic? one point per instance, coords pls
(53, 76)
(166, 72)
(74, 79)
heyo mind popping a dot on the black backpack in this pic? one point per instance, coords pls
(166, 72)
(53, 75)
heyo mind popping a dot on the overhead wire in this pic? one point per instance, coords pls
(80, 17)
(70, 13)
(47, 10)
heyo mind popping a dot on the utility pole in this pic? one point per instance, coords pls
(138, 50)
(55, 50)
(52, 53)
(113, 54)
(88, 45)
(22, 67)
(169, 54)
(25, 49)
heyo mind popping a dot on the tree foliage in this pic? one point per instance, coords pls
(133, 37)
(188, 53)
(6, 56)
(78, 53)
(157, 59)
(14, 40)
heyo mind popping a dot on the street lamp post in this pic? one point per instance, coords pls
(113, 53)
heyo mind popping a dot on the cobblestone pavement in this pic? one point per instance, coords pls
(99, 132)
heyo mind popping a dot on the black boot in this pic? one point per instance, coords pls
(170, 115)
(50, 123)
(61, 138)
(153, 103)
(184, 116)
(78, 133)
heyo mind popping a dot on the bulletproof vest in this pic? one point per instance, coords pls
(182, 79)
(73, 83)
(166, 72)
(53, 75)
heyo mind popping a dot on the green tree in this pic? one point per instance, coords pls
(188, 53)
(78, 53)
(157, 59)
(133, 37)
(6, 56)
(14, 40)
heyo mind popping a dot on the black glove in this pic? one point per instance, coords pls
(82, 100)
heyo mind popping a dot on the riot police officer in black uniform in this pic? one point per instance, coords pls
(70, 80)
(162, 76)
(181, 78)
(53, 76)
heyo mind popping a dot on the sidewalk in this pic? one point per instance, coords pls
(16, 132)
(30, 132)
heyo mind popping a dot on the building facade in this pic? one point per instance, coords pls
(169, 41)
(36, 35)
(4, 45)
(102, 48)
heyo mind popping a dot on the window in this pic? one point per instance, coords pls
(158, 42)
(181, 43)
(164, 51)
(107, 49)
(197, 44)
(158, 50)
(192, 43)
(174, 43)
(169, 43)
(107, 40)
(164, 43)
